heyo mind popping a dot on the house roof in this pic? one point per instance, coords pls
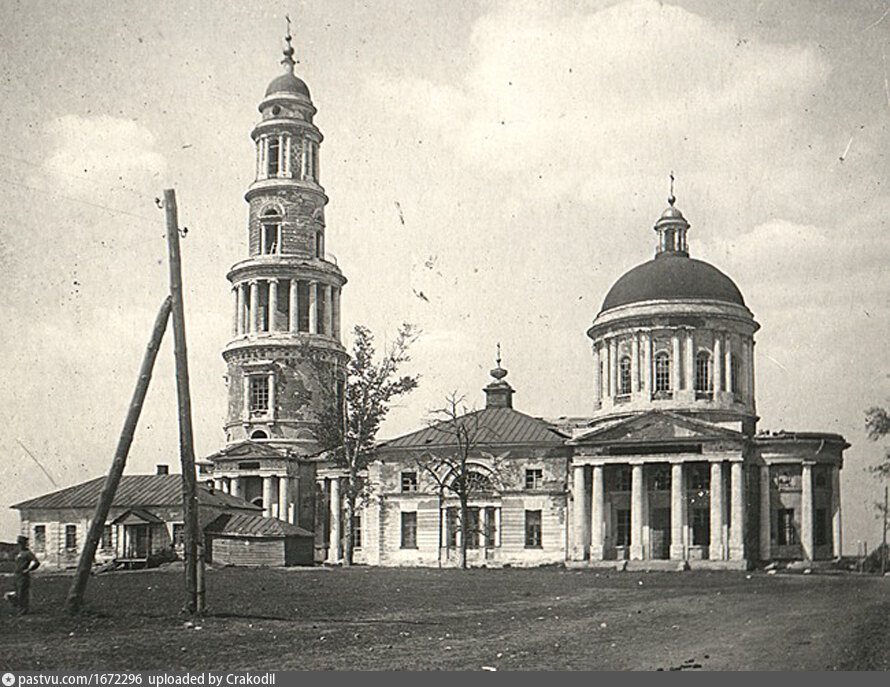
(134, 491)
(492, 426)
(250, 525)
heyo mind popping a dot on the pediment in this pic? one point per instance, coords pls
(246, 450)
(656, 426)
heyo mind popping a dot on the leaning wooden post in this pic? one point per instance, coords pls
(186, 449)
(74, 601)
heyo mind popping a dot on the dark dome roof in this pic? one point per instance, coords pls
(672, 276)
(288, 83)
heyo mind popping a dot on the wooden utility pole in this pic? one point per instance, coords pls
(74, 601)
(194, 600)
(884, 538)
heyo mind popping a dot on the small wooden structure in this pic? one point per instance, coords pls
(248, 539)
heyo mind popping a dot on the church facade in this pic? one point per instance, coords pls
(669, 470)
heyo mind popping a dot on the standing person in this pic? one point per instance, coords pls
(25, 563)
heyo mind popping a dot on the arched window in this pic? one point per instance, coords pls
(734, 370)
(477, 483)
(259, 434)
(624, 376)
(662, 372)
(270, 232)
(703, 380)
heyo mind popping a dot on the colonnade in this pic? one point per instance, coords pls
(280, 494)
(592, 520)
(247, 316)
(274, 155)
(640, 347)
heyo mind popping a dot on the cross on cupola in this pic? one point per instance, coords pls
(672, 228)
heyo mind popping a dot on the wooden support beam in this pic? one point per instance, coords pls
(74, 601)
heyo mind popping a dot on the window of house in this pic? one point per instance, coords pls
(451, 527)
(622, 478)
(534, 478)
(270, 236)
(703, 372)
(622, 527)
(319, 244)
(477, 483)
(624, 376)
(820, 527)
(533, 529)
(259, 394)
(274, 147)
(409, 481)
(178, 534)
(662, 372)
(357, 532)
(473, 528)
(490, 529)
(70, 537)
(409, 530)
(701, 527)
(785, 522)
(106, 537)
(39, 537)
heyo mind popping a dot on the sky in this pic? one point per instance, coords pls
(506, 159)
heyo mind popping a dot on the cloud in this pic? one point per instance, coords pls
(102, 155)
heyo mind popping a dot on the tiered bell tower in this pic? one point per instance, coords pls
(285, 360)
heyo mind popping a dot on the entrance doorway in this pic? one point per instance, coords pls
(660, 533)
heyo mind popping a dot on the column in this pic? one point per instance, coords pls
(283, 497)
(675, 363)
(718, 363)
(313, 307)
(217, 484)
(715, 550)
(253, 313)
(635, 364)
(286, 156)
(613, 367)
(497, 527)
(335, 312)
(637, 493)
(836, 532)
(678, 512)
(597, 509)
(235, 311)
(604, 370)
(271, 412)
(334, 543)
(579, 513)
(647, 364)
(737, 512)
(242, 315)
(765, 514)
(727, 363)
(806, 510)
(690, 362)
(280, 156)
(273, 303)
(328, 300)
(235, 486)
(749, 370)
(294, 314)
(259, 158)
(267, 496)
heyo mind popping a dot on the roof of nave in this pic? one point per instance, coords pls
(250, 525)
(491, 427)
(132, 492)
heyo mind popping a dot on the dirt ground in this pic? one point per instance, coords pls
(417, 619)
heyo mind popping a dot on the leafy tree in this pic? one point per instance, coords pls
(877, 424)
(348, 429)
(450, 469)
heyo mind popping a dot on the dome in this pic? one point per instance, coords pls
(672, 276)
(288, 83)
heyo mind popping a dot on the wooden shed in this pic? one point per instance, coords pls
(247, 539)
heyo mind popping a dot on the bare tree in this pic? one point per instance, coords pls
(348, 429)
(877, 424)
(451, 470)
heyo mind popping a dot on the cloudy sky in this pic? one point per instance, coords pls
(527, 147)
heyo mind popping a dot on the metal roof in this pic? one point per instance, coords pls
(134, 491)
(491, 426)
(249, 525)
